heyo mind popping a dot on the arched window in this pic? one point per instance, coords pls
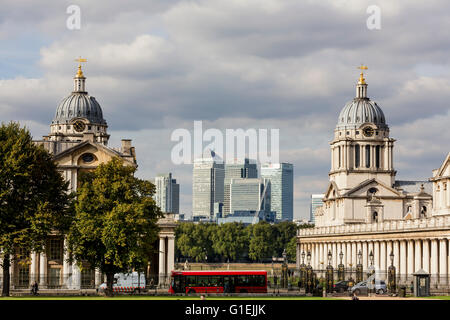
(339, 156)
(375, 216)
(367, 156)
(357, 156)
(423, 212)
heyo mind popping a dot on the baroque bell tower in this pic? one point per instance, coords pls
(361, 148)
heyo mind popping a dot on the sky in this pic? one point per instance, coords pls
(157, 66)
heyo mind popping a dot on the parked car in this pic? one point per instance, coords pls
(341, 286)
(363, 288)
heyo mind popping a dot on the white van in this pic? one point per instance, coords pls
(126, 282)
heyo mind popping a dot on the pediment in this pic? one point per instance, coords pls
(362, 190)
(332, 191)
(101, 153)
(444, 169)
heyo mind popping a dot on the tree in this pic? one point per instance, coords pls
(262, 241)
(285, 231)
(115, 223)
(33, 197)
(291, 249)
(230, 241)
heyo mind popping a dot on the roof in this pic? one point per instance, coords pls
(359, 111)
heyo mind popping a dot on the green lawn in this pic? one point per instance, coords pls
(163, 298)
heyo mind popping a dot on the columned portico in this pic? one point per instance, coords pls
(415, 244)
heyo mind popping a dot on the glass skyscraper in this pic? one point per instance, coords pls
(281, 176)
(316, 201)
(167, 194)
(207, 184)
(236, 170)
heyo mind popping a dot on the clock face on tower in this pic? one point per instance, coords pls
(79, 126)
(368, 131)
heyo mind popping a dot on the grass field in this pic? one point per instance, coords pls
(163, 298)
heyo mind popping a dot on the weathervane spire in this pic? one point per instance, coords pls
(361, 75)
(80, 72)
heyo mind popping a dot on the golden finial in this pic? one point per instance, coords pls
(361, 76)
(80, 72)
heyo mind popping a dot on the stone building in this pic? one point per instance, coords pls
(366, 210)
(78, 141)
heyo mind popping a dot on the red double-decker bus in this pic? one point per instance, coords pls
(218, 282)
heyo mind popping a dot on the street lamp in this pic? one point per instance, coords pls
(392, 258)
(391, 275)
(359, 268)
(371, 258)
(329, 257)
(303, 257)
(341, 268)
(329, 274)
(308, 257)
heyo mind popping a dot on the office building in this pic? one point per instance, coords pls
(316, 201)
(281, 176)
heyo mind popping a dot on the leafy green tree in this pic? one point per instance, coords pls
(115, 223)
(291, 249)
(262, 241)
(33, 197)
(284, 231)
(230, 241)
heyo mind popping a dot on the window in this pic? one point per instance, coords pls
(357, 156)
(377, 156)
(339, 156)
(87, 278)
(24, 276)
(54, 277)
(191, 281)
(55, 249)
(367, 156)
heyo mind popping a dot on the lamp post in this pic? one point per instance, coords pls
(359, 268)
(341, 268)
(309, 274)
(303, 271)
(329, 277)
(371, 273)
(391, 275)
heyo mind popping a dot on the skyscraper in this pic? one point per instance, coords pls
(207, 184)
(316, 201)
(249, 195)
(281, 176)
(167, 194)
(241, 169)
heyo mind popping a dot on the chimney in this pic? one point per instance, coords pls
(126, 146)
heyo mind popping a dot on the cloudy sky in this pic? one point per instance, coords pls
(155, 66)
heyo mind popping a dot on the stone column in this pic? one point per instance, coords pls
(33, 268)
(335, 256)
(42, 270)
(403, 259)
(365, 256)
(376, 254)
(66, 269)
(76, 277)
(162, 260)
(383, 256)
(170, 255)
(417, 255)
(410, 264)
(434, 258)
(396, 250)
(98, 278)
(354, 256)
(442, 257)
(389, 249)
(425, 255)
(348, 255)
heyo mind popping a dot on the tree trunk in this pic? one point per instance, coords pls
(6, 275)
(109, 284)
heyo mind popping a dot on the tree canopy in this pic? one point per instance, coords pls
(115, 225)
(33, 197)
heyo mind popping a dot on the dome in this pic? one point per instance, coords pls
(360, 111)
(79, 105)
